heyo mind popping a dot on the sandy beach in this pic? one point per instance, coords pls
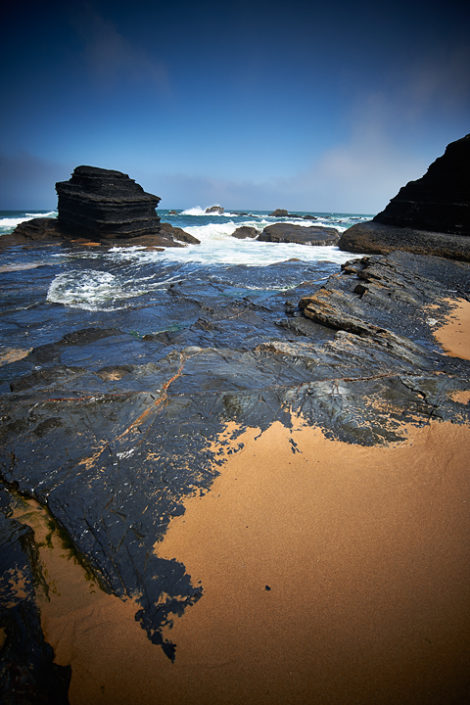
(454, 334)
(332, 573)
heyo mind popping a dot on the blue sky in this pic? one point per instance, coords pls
(305, 106)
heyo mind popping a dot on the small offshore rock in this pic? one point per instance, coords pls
(279, 213)
(179, 234)
(245, 231)
(218, 210)
(300, 234)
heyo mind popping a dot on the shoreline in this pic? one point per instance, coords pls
(331, 572)
(454, 334)
(336, 573)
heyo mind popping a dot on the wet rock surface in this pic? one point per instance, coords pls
(378, 238)
(302, 235)
(110, 427)
(27, 672)
(245, 231)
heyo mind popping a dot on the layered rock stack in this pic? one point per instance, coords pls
(428, 216)
(100, 203)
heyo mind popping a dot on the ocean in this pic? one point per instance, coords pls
(50, 291)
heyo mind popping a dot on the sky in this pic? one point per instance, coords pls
(311, 106)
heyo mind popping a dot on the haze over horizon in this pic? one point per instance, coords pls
(253, 106)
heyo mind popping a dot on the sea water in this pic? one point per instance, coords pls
(48, 291)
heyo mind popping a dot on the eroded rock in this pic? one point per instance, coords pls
(100, 207)
(245, 231)
(440, 200)
(428, 216)
(100, 203)
(302, 235)
(378, 238)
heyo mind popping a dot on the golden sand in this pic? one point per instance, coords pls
(461, 396)
(339, 574)
(13, 355)
(454, 335)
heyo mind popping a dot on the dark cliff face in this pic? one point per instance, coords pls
(440, 200)
(105, 203)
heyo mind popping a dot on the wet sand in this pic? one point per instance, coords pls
(334, 574)
(454, 335)
(13, 355)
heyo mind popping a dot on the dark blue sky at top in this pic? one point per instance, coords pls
(306, 106)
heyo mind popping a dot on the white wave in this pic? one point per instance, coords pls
(218, 247)
(197, 210)
(11, 223)
(88, 289)
(43, 214)
(96, 290)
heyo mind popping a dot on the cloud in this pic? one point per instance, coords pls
(112, 57)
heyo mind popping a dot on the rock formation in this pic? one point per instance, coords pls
(171, 231)
(245, 231)
(101, 205)
(217, 210)
(282, 213)
(300, 234)
(440, 200)
(428, 216)
(379, 238)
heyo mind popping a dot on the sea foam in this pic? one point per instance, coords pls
(10, 222)
(197, 210)
(218, 247)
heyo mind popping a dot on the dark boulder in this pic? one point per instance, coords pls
(280, 213)
(300, 234)
(179, 234)
(28, 233)
(428, 216)
(245, 231)
(101, 203)
(218, 210)
(381, 239)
